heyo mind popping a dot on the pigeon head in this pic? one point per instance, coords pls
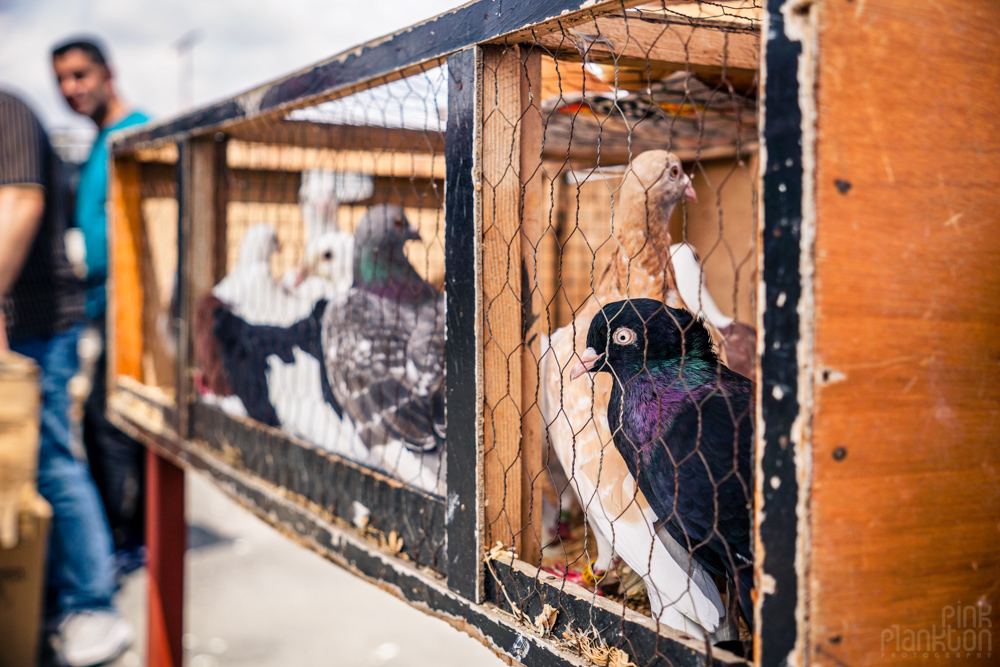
(629, 337)
(380, 263)
(652, 187)
(658, 179)
(259, 243)
(384, 227)
(330, 257)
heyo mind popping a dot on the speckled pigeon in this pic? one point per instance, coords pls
(384, 340)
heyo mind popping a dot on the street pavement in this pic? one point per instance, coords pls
(256, 599)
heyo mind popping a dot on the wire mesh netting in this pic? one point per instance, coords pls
(619, 168)
(615, 168)
(326, 319)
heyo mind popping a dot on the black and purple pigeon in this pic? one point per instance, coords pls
(683, 422)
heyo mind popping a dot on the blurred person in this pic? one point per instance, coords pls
(117, 461)
(43, 307)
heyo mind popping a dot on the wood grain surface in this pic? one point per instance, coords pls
(905, 499)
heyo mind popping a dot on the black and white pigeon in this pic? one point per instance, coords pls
(245, 349)
(683, 422)
(384, 340)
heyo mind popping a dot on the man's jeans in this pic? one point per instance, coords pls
(80, 574)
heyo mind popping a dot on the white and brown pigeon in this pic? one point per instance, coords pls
(681, 593)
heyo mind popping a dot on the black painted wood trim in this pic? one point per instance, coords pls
(329, 482)
(781, 122)
(416, 586)
(179, 324)
(464, 520)
(436, 38)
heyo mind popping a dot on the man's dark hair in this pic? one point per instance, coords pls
(89, 45)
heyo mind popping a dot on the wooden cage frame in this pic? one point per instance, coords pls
(823, 312)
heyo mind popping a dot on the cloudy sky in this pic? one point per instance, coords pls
(241, 44)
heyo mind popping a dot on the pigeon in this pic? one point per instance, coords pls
(250, 290)
(736, 340)
(383, 340)
(249, 323)
(327, 268)
(245, 349)
(681, 594)
(683, 423)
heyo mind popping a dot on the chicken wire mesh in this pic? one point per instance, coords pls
(619, 162)
(616, 158)
(328, 323)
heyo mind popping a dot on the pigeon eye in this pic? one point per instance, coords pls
(675, 171)
(328, 255)
(624, 336)
(398, 222)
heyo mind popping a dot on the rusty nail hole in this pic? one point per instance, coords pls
(839, 454)
(826, 376)
(842, 186)
(836, 639)
(777, 232)
(783, 441)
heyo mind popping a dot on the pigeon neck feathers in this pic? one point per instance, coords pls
(386, 272)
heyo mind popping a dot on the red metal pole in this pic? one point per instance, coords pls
(166, 539)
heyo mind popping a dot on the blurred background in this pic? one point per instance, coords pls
(172, 56)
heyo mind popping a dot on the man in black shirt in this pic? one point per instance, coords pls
(42, 308)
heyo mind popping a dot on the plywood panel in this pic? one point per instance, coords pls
(125, 337)
(905, 497)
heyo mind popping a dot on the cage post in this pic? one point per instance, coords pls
(463, 354)
(125, 336)
(532, 304)
(508, 470)
(202, 195)
(165, 542)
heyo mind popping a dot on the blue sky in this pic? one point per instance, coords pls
(242, 44)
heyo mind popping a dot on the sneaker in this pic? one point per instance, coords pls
(92, 637)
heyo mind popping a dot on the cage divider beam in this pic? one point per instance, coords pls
(388, 58)
(778, 449)
(531, 180)
(511, 188)
(700, 49)
(201, 261)
(463, 353)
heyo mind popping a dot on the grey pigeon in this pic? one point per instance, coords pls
(384, 339)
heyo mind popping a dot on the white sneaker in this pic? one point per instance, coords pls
(92, 637)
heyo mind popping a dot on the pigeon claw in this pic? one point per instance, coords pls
(588, 360)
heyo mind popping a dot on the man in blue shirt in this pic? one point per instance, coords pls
(116, 461)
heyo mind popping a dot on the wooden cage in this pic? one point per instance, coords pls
(847, 172)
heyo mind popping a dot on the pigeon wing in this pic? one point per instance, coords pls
(385, 361)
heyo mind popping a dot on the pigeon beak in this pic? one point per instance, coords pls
(412, 234)
(301, 275)
(689, 192)
(588, 360)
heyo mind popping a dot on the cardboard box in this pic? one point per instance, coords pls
(20, 405)
(24, 515)
(22, 578)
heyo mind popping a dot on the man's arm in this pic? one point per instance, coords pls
(21, 210)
